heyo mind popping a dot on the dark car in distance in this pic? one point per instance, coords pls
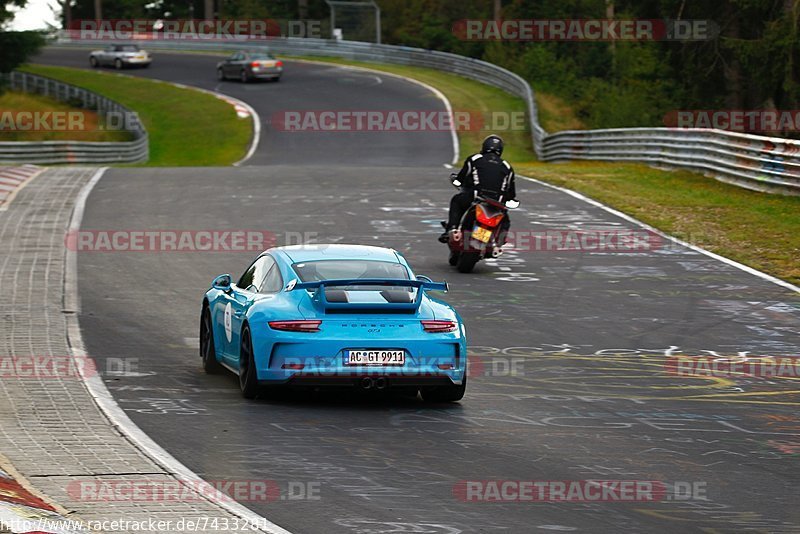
(246, 66)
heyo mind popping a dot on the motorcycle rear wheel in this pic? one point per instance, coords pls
(466, 261)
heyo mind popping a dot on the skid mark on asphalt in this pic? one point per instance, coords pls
(640, 376)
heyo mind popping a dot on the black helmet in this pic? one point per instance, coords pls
(493, 143)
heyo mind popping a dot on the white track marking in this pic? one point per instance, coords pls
(13, 180)
(105, 401)
(575, 194)
(646, 226)
(435, 91)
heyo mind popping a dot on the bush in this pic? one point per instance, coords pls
(16, 48)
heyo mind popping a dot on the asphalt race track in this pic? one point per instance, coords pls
(569, 352)
(305, 86)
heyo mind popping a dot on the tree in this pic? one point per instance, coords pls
(6, 9)
(15, 47)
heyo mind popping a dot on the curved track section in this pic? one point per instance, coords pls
(306, 87)
(570, 360)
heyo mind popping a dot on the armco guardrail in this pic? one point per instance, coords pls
(57, 152)
(767, 164)
(761, 163)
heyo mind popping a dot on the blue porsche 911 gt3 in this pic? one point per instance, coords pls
(343, 315)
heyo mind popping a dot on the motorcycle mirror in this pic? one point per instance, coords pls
(457, 183)
(512, 204)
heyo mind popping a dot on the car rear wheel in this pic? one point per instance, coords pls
(207, 351)
(93, 62)
(248, 379)
(445, 393)
(243, 76)
(118, 64)
(220, 75)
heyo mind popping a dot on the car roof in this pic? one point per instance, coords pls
(300, 253)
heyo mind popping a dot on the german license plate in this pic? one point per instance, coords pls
(482, 234)
(376, 357)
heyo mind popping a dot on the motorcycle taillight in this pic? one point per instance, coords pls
(484, 218)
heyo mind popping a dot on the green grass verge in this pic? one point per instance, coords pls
(757, 229)
(84, 125)
(186, 127)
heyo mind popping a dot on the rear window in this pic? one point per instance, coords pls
(128, 48)
(312, 271)
(261, 56)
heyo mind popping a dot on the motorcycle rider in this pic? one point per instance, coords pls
(486, 174)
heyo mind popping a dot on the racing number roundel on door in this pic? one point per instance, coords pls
(228, 323)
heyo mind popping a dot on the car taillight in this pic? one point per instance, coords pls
(295, 326)
(439, 326)
(255, 64)
(279, 64)
(480, 213)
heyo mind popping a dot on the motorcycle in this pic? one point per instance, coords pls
(480, 233)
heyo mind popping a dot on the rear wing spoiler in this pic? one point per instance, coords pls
(319, 288)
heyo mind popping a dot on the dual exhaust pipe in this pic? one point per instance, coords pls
(379, 383)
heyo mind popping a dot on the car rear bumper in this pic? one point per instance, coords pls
(364, 380)
(134, 61)
(266, 74)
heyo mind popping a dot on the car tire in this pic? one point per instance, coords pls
(466, 261)
(118, 64)
(248, 379)
(208, 352)
(243, 76)
(445, 393)
(93, 62)
(276, 80)
(220, 75)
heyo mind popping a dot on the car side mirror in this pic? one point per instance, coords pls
(222, 282)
